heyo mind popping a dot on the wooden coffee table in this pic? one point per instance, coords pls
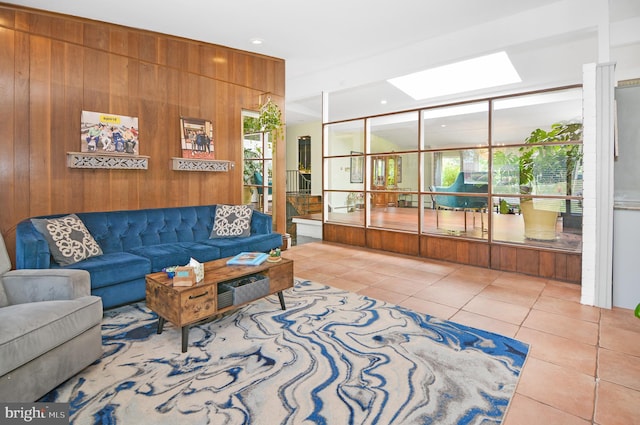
(186, 305)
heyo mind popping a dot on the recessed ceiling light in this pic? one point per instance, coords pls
(473, 74)
(383, 102)
(256, 41)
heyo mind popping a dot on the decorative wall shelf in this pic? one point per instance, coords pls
(188, 164)
(102, 160)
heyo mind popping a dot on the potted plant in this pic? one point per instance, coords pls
(550, 168)
(270, 120)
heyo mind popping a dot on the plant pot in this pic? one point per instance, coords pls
(538, 224)
(247, 195)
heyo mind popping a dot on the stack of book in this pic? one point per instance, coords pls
(248, 259)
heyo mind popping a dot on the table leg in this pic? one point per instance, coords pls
(281, 297)
(185, 338)
(160, 324)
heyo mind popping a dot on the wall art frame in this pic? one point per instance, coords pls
(196, 138)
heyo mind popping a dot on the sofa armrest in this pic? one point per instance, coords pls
(25, 286)
(32, 249)
(261, 223)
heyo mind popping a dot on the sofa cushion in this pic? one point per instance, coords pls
(68, 238)
(114, 268)
(232, 246)
(232, 221)
(228, 247)
(265, 243)
(163, 255)
(200, 252)
(29, 330)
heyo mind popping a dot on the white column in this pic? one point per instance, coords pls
(597, 231)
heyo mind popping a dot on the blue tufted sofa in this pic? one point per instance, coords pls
(138, 242)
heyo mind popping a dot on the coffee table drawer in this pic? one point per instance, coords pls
(198, 303)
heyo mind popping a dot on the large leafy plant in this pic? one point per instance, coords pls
(550, 163)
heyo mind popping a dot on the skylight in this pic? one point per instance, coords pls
(472, 74)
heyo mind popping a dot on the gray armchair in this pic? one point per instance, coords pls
(49, 328)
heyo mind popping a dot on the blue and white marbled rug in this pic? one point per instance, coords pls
(332, 357)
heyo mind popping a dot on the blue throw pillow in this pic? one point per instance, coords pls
(232, 221)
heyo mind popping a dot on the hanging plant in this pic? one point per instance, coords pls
(270, 119)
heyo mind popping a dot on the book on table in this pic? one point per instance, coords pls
(248, 259)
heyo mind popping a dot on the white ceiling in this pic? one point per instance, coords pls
(349, 48)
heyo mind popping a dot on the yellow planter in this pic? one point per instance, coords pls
(539, 224)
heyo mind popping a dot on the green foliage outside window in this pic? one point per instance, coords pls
(450, 174)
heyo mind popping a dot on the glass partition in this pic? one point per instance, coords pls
(514, 118)
(456, 126)
(394, 133)
(345, 173)
(393, 217)
(344, 138)
(442, 168)
(456, 215)
(345, 208)
(476, 170)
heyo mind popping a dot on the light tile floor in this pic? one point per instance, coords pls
(584, 362)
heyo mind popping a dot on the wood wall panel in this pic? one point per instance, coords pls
(7, 19)
(528, 261)
(479, 254)
(573, 268)
(344, 234)
(402, 243)
(55, 66)
(547, 264)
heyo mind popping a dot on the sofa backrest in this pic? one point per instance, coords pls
(117, 231)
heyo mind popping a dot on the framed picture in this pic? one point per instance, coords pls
(106, 133)
(196, 138)
(357, 167)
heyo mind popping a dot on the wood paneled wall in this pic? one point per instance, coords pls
(52, 67)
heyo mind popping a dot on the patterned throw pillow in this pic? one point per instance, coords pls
(68, 238)
(232, 221)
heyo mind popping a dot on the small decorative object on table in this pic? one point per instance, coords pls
(187, 275)
(170, 271)
(274, 255)
(198, 269)
(184, 276)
